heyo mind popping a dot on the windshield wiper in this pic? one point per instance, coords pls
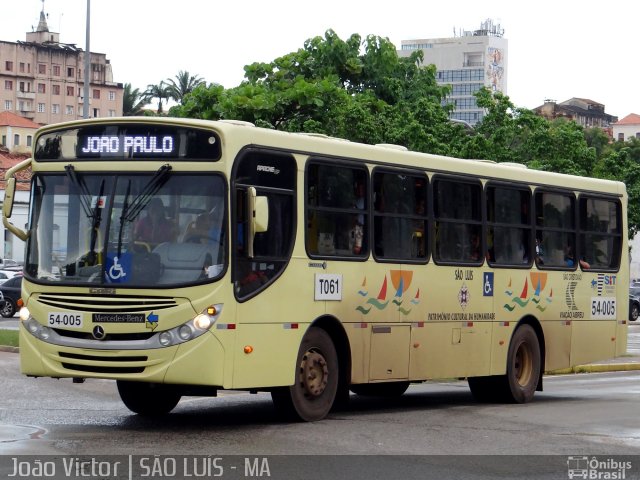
(96, 216)
(151, 188)
(85, 196)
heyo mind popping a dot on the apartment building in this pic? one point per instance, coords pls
(467, 61)
(42, 79)
(585, 112)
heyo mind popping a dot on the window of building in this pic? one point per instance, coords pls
(8, 85)
(600, 233)
(16, 140)
(621, 137)
(55, 108)
(70, 72)
(4, 140)
(458, 221)
(555, 229)
(56, 70)
(55, 89)
(337, 210)
(112, 113)
(42, 69)
(21, 67)
(69, 110)
(70, 91)
(509, 239)
(29, 140)
(8, 105)
(96, 112)
(41, 107)
(8, 66)
(112, 95)
(42, 88)
(96, 94)
(399, 216)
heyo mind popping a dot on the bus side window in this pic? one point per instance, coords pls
(555, 227)
(337, 210)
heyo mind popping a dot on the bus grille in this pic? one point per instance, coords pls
(102, 368)
(106, 303)
(109, 336)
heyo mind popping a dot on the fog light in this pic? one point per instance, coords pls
(184, 332)
(165, 338)
(24, 314)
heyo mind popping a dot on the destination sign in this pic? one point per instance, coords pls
(128, 141)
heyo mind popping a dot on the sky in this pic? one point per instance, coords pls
(556, 49)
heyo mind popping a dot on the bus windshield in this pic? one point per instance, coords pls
(134, 230)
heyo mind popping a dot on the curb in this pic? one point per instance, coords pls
(7, 348)
(597, 368)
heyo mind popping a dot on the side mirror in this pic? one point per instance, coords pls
(258, 214)
(7, 210)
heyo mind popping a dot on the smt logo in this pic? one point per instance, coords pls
(594, 468)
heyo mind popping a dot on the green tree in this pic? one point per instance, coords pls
(133, 102)
(159, 91)
(183, 84)
(354, 89)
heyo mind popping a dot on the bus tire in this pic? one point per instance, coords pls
(523, 365)
(148, 399)
(384, 389)
(523, 372)
(312, 395)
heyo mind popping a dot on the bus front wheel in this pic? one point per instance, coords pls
(312, 395)
(523, 372)
(148, 399)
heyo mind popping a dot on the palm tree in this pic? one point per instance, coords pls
(133, 101)
(183, 84)
(159, 91)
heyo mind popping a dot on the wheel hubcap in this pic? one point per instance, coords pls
(314, 374)
(523, 365)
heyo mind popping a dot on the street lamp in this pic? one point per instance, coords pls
(87, 65)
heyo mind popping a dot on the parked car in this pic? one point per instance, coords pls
(6, 274)
(634, 303)
(11, 290)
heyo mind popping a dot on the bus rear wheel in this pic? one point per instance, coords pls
(384, 389)
(148, 399)
(312, 395)
(523, 372)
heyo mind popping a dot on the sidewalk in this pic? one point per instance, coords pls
(630, 361)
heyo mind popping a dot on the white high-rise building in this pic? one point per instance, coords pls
(467, 61)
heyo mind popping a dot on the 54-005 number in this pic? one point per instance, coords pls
(603, 307)
(65, 319)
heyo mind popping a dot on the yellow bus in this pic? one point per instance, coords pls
(183, 257)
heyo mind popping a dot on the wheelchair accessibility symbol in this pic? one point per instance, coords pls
(116, 271)
(487, 284)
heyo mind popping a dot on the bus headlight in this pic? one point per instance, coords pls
(184, 332)
(36, 329)
(165, 338)
(195, 327)
(24, 314)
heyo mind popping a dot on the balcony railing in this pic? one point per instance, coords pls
(29, 95)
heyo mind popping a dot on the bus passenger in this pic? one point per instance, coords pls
(154, 228)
